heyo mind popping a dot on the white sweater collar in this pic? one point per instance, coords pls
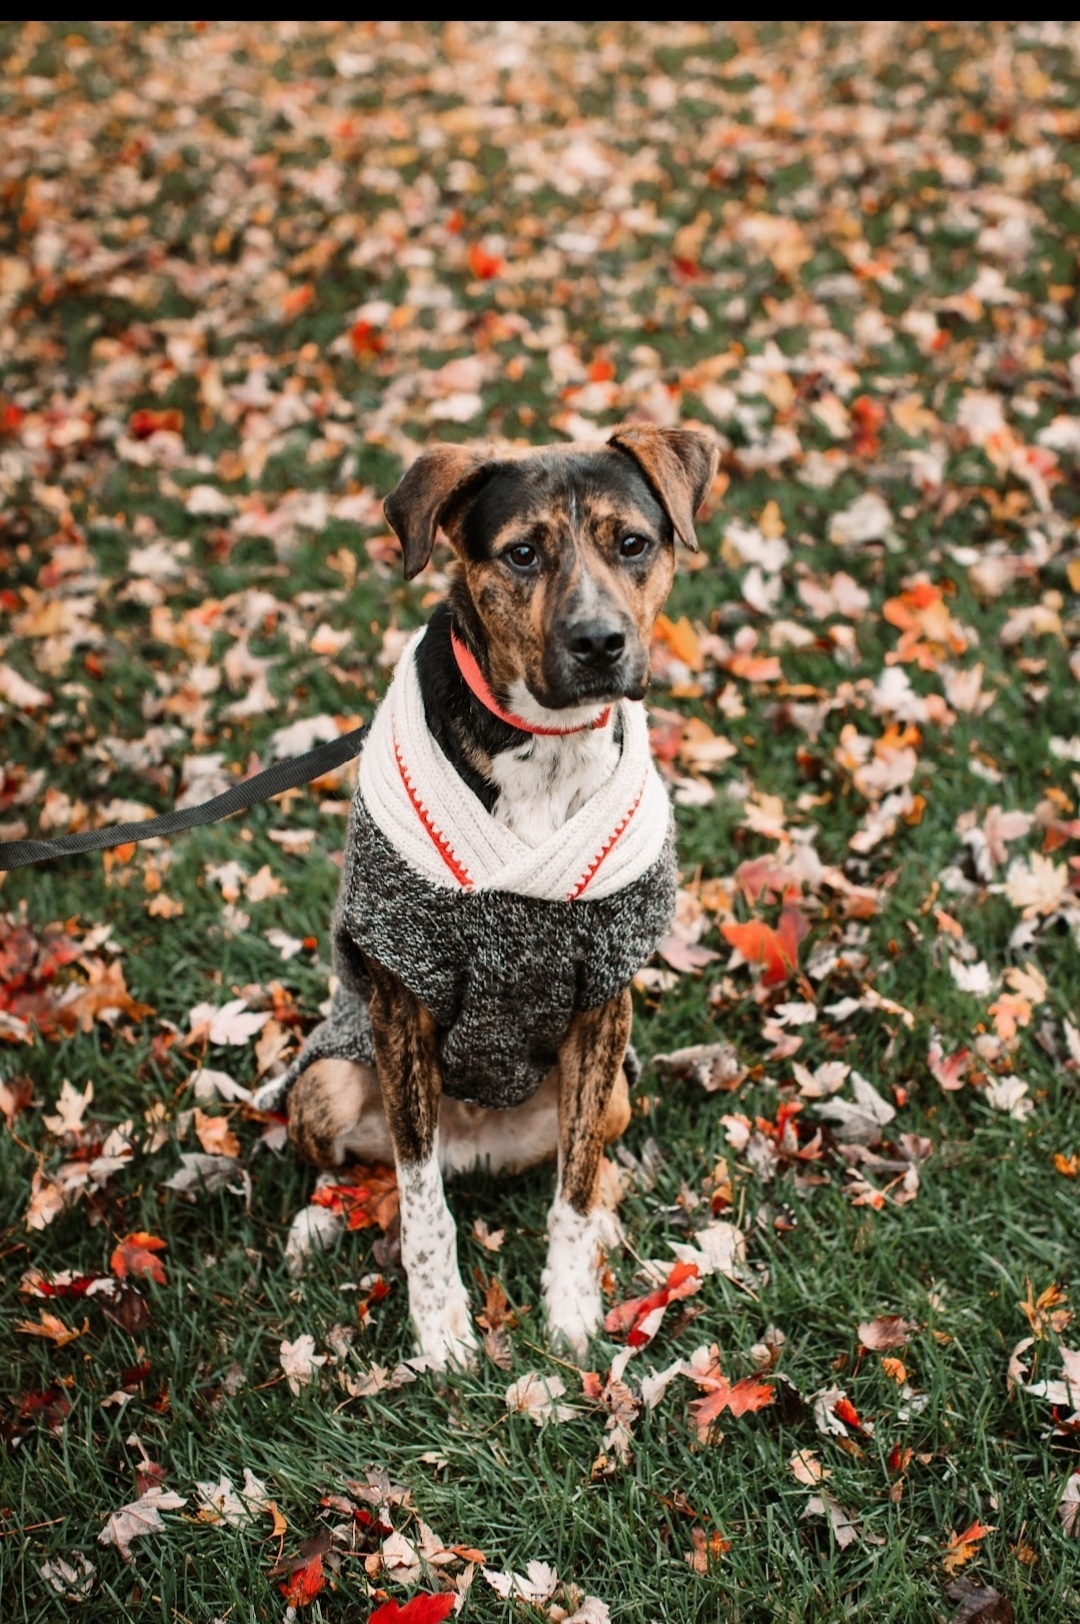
(434, 821)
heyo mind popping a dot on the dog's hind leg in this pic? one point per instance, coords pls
(335, 1112)
(411, 1084)
(590, 1066)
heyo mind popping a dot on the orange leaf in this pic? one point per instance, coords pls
(961, 1547)
(372, 1200)
(484, 264)
(135, 1256)
(304, 1584)
(776, 950)
(681, 638)
(741, 1398)
(215, 1136)
(297, 300)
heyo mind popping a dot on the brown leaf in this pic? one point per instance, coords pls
(16, 1093)
(885, 1332)
(979, 1604)
(104, 998)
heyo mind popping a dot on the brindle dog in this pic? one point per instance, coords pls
(564, 557)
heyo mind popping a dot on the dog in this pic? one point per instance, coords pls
(509, 862)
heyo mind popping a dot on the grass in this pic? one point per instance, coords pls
(217, 170)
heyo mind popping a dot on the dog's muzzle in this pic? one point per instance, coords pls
(601, 659)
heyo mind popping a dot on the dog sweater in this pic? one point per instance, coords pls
(502, 941)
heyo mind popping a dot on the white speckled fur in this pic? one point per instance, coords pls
(571, 1279)
(438, 1304)
(545, 780)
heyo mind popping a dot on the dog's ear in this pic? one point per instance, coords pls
(420, 500)
(680, 465)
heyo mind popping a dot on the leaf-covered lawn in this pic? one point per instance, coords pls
(244, 270)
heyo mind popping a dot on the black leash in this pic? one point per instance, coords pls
(249, 792)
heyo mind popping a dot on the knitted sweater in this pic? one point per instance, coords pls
(503, 942)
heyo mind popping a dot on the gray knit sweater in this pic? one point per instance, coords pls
(502, 972)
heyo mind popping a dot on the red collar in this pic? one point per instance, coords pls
(469, 667)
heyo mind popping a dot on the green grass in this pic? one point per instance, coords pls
(214, 170)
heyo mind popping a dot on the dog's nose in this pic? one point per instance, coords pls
(595, 642)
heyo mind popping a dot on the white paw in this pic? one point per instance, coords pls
(571, 1279)
(446, 1336)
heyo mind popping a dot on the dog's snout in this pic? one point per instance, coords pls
(595, 642)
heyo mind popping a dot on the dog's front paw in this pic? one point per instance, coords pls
(445, 1335)
(571, 1279)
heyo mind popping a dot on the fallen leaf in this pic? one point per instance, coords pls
(300, 1362)
(139, 1518)
(135, 1256)
(370, 1200)
(304, 1583)
(419, 1610)
(640, 1317)
(215, 1135)
(885, 1332)
(962, 1547)
(51, 1327)
(979, 1604)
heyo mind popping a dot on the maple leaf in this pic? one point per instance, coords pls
(777, 950)
(370, 1200)
(304, 1583)
(52, 1328)
(104, 998)
(135, 1256)
(215, 1135)
(139, 1518)
(885, 1332)
(427, 1609)
(537, 1397)
(640, 1317)
(299, 1361)
(739, 1398)
(962, 1547)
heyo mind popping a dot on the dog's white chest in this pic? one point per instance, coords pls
(543, 782)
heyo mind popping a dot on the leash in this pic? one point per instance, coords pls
(275, 780)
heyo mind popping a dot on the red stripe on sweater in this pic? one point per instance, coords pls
(443, 847)
(605, 850)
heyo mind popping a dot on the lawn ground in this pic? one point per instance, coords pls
(243, 269)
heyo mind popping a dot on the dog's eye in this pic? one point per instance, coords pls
(633, 546)
(522, 557)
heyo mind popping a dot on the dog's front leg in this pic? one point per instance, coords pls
(408, 1067)
(589, 1063)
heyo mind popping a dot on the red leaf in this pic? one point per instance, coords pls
(145, 422)
(420, 1610)
(366, 340)
(845, 1411)
(483, 264)
(372, 1200)
(641, 1316)
(135, 1256)
(304, 1584)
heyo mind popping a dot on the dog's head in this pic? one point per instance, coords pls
(566, 553)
